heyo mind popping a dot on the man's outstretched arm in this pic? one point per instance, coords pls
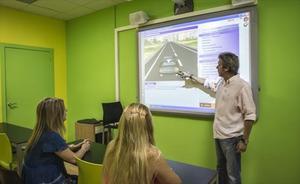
(196, 82)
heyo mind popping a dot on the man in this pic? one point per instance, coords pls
(235, 113)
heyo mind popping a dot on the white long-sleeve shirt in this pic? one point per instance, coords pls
(234, 105)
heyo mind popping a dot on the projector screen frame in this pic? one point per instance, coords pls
(253, 53)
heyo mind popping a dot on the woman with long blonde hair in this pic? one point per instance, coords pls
(132, 158)
(46, 149)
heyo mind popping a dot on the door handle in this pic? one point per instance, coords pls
(12, 105)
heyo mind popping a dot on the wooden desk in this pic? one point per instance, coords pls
(189, 174)
(18, 136)
(15, 133)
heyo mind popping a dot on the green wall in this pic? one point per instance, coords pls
(90, 61)
(273, 152)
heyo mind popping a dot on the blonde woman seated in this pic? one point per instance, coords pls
(132, 158)
(47, 150)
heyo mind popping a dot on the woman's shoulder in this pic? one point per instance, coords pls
(153, 153)
(51, 135)
(53, 142)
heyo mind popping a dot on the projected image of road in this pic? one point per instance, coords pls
(171, 58)
(170, 52)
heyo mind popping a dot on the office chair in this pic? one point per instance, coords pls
(89, 173)
(6, 156)
(8, 165)
(111, 116)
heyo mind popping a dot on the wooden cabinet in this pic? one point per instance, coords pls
(88, 131)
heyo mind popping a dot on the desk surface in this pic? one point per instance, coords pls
(96, 153)
(189, 174)
(15, 133)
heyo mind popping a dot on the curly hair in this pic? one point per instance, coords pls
(230, 61)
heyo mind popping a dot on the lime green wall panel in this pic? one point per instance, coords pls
(90, 51)
(185, 139)
(128, 67)
(273, 156)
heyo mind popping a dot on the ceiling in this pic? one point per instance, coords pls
(60, 9)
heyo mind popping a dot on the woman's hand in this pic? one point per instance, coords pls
(77, 146)
(69, 154)
(86, 140)
(86, 145)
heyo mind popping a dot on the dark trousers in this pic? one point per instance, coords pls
(228, 161)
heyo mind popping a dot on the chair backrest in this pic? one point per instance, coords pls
(6, 152)
(111, 112)
(89, 173)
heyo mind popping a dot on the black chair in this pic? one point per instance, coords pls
(111, 116)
